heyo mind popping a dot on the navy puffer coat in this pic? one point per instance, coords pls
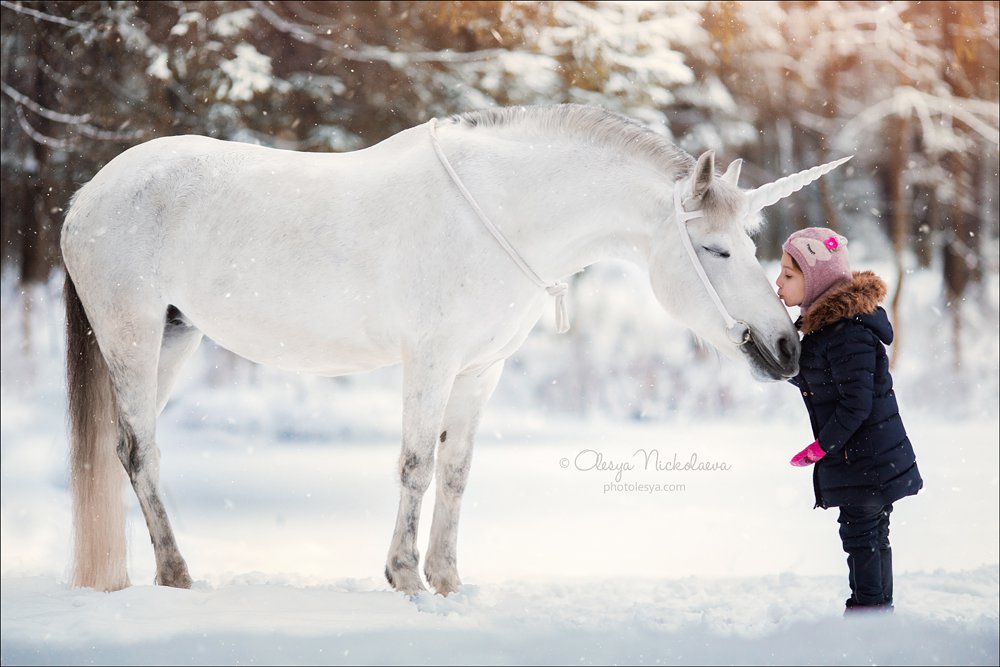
(845, 383)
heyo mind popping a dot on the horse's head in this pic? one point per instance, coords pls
(732, 305)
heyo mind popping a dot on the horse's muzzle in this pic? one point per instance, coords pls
(781, 363)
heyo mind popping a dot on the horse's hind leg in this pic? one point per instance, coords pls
(425, 396)
(132, 344)
(454, 459)
(180, 340)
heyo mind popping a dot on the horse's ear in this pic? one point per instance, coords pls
(733, 172)
(704, 172)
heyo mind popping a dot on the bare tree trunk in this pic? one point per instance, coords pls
(39, 250)
(925, 223)
(956, 334)
(27, 303)
(830, 109)
(899, 150)
(962, 250)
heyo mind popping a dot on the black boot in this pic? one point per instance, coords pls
(886, 558)
(864, 532)
(864, 567)
(854, 608)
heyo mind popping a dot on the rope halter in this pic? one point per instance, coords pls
(557, 289)
(737, 331)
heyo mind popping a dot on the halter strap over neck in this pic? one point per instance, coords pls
(557, 289)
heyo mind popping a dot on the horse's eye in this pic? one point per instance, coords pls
(716, 251)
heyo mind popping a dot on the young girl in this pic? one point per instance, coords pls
(864, 461)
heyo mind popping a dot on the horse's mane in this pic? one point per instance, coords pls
(585, 123)
(612, 130)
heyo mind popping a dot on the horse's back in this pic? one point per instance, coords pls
(177, 194)
(186, 165)
(307, 244)
(146, 186)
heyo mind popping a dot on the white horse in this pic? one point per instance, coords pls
(429, 248)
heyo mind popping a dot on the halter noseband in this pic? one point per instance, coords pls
(738, 331)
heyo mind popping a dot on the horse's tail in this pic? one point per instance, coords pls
(96, 475)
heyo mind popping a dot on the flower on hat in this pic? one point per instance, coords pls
(831, 243)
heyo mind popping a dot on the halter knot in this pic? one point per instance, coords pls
(559, 290)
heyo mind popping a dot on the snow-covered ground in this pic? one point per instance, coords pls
(283, 498)
(287, 541)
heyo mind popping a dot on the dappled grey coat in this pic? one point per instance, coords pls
(845, 383)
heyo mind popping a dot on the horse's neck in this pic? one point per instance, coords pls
(562, 206)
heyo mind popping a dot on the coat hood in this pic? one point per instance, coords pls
(858, 299)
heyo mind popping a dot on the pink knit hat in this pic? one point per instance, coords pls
(821, 254)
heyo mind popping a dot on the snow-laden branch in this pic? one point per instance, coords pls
(39, 109)
(54, 74)
(79, 123)
(317, 21)
(908, 100)
(109, 135)
(396, 59)
(38, 137)
(34, 13)
(879, 34)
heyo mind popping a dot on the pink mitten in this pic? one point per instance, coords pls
(809, 455)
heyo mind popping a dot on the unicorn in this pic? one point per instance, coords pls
(437, 249)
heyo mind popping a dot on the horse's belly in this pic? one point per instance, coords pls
(330, 359)
(307, 340)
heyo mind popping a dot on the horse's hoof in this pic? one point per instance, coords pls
(445, 585)
(405, 580)
(174, 575)
(444, 581)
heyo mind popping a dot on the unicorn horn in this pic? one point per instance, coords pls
(767, 194)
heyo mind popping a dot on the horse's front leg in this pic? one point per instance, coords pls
(425, 395)
(465, 406)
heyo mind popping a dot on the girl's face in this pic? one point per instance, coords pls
(791, 284)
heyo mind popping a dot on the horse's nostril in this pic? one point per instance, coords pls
(787, 350)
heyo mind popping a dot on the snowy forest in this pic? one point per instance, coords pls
(909, 89)
(282, 488)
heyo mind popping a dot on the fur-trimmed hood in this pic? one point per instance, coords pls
(858, 299)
